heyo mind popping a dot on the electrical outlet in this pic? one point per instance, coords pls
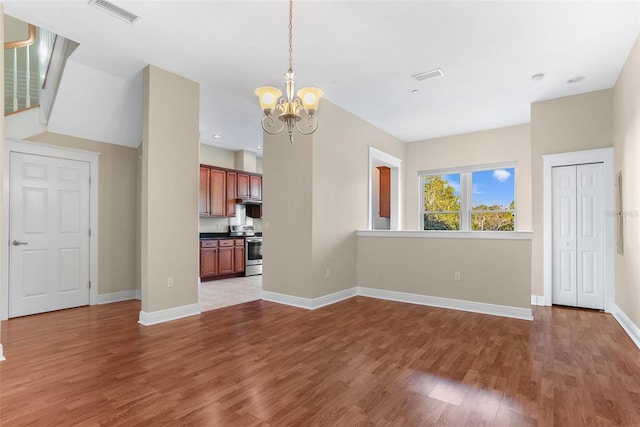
(327, 274)
(456, 276)
(169, 282)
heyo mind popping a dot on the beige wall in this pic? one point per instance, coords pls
(563, 125)
(426, 267)
(315, 197)
(287, 215)
(169, 197)
(510, 144)
(117, 209)
(215, 156)
(340, 193)
(626, 136)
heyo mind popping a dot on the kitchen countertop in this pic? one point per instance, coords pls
(215, 236)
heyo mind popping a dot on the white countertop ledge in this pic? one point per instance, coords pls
(492, 235)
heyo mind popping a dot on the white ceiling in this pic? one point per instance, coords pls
(361, 53)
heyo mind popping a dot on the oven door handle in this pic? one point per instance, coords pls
(253, 240)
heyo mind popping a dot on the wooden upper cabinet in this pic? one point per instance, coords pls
(232, 178)
(385, 191)
(217, 192)
(243, 186)
(220, 188)
(204, 190)
(255, 187)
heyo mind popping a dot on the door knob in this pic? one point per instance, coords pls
(18, 243)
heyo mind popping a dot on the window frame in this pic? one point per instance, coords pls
(466, 194)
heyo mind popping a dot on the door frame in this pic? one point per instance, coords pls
(601, 155)
(39, 149)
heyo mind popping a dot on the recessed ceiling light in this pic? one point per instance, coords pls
(576, 79)
(216, 136)
(259, 147)
(537, 77)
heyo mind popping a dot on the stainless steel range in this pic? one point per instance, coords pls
(252, 248)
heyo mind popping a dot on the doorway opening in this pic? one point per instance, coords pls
(384, 191)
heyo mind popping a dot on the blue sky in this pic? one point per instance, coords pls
(490, 187)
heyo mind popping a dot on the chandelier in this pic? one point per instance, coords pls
(289, 108)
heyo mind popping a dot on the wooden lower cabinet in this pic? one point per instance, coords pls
(238, 255)
(221, 258)
(208, 258)
(225, 257)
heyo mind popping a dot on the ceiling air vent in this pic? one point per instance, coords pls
(428, 74)
(114, 10)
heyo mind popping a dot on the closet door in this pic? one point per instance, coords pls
(564, 235)
(578, 233)
(590, 235)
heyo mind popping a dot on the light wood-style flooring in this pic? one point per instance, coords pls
(360, 362)
(216, 294)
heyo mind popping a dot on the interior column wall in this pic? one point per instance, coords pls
(287, 214)
(170, 183)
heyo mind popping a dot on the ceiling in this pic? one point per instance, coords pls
(362, 54)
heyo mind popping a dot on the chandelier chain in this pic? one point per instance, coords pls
(290, 35)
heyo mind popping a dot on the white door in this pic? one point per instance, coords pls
(48, 233)
(578, 235)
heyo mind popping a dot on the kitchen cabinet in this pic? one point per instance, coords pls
(243, 186)
(208, 258)
(254, 211)
(249, 186)
(225, 257)
(204, 190)
(238, 255)
(220, 258)
(220, 188)
(255, 187)
(217, 192)
(230, 196)
(385, 191)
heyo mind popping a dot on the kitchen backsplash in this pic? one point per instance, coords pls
(221, 225)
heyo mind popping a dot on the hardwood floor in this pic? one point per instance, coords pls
(359, 362)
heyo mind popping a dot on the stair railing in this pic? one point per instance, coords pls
(26, 63)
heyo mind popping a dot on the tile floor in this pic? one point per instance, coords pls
(223, 293)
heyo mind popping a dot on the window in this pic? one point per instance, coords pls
(480, 198)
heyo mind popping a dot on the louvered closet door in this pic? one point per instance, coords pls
(578, 236)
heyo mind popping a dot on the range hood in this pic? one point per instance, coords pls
(248, 202)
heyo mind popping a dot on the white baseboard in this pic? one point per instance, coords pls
(174, 313)
(119, 296)
(474, 307)
(537, 299)
(309, 303)
(1, 354)
(629, 327)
